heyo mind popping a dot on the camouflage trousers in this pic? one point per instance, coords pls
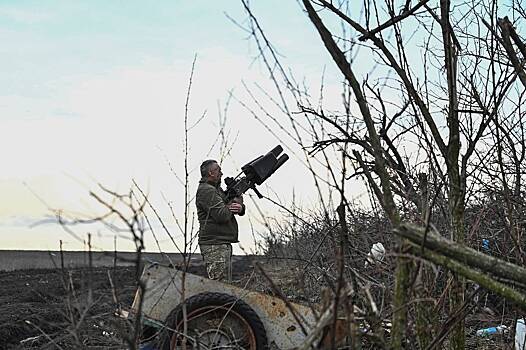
(218, 261)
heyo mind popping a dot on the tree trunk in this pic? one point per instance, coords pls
(456, 197)
(426, 319)
(467, 262)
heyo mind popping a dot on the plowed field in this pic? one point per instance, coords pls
(53, 309)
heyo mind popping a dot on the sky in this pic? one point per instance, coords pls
(94, 93)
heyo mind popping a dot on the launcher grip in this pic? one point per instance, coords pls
(236, 188)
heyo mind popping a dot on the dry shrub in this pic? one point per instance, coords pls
(309, 245)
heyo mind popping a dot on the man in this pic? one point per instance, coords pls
(217, 223)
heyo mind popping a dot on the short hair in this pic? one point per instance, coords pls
(205, 167)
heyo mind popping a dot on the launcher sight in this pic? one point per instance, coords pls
(255, 173)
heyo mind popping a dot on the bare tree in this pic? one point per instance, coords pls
(439, 96)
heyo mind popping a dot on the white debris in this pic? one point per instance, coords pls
(30, 339)
(520, 334)
(376, 254)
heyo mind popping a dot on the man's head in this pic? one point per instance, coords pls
(211, 171)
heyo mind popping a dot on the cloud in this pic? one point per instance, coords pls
(18, 221)
(28, 221)
(108, 127)
(25, 16)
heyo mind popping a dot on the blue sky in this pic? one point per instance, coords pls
(93, 92)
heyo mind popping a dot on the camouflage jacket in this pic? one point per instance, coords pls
(217, 225)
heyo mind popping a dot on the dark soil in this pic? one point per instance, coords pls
(50, 309)
(48, 304)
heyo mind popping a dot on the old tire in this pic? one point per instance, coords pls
(214, 320)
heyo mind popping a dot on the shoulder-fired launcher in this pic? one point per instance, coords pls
(255, 173)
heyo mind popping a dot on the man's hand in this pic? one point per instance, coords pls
(238, 200)
(235, 208)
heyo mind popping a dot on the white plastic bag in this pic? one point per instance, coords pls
(376, 254)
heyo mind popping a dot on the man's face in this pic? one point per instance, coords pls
(214, 174)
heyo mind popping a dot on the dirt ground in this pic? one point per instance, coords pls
(34, 305)
(43, 308)
(47, 309)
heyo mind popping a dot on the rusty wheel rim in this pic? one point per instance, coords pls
(214, 327)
